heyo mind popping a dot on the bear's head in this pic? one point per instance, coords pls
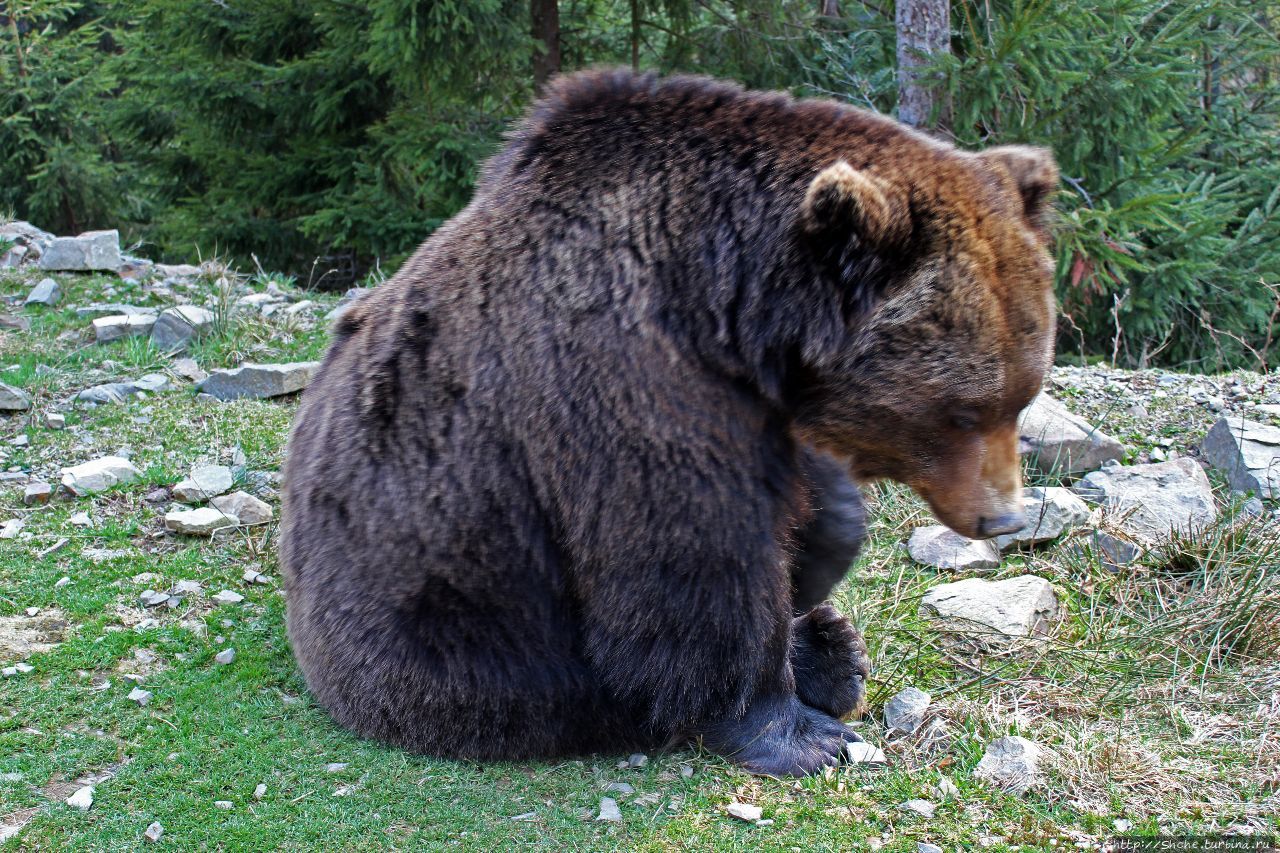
(951, 334)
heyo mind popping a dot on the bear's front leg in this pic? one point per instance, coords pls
(830, 661)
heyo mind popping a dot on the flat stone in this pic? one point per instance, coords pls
(1151, 502)
(993, 612)
(189, 370)
(620, 788)
(13, 399)
(120, 326)
(46, 292)
(744, 811)
(204, 482)
(153, 598)
(940, 546)
(98, 475)
(118, 392)
(142, 697)
(905, 711)
(259, 381)
(54, 420)
(1011, 763)
(1248, 452)
(926, 847)
(609, 810)
(11, 528)
(227, 656)
(225, 805)
(198, 522)
(924, 808)
(36, 494)
(92, 250)
(177, 327)
(1051, 511)
(108, 309)
(1058, 441)
(13, 322)
(154, 831)
(859, 752)
(245, 507)
(188, 587)
(228, 596)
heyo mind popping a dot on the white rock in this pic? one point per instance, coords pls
(1151, 502)
(98, 475)
(13, 399)
(744, 811)
(177, 327)
(188, 587)
(11, 528)
(152, 598)
(61, 582)
(36, 494)
(859, 752)
(198, 522)
(905, 711)
(118, 392)
(1011, 763)
(943, 548)
(225, 805)
(119, 326)
(47, 292)
(82, 799)
(260, 791)
(609, 810)
(92, 250)
(993, 611)
(1051, 511)
(634, 762)
(154, 832)
(142, 697)
(225, 657)
(924, 808)
(204, 482)
(948, 789)
(335, 767)
(620, 788)
(245, 507)
(53, 420)
(228, 597)
(926, 847)
(259, 380)
(1248, 452)
(1058, 441)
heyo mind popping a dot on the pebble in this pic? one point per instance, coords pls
(744, 811)
(905, 711)
(620, 788)
(225, 805)
(204, 482)
(335, 767)
(634, 762)
(11, 528)
(609, 810)
(36, 494)
(859, 752)
(142, 697)
(259, 380)
(926, 847)
(1011, 763)
(260, 791)
(245, 507)
(53, 420)
(154, 832)
(204, 521)
(225, 657)
(81, 799)
(924, 808)
(13, 399)
(228, 597)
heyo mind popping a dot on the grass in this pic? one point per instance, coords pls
(1156, 695)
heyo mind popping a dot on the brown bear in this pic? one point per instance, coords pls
(578, 477)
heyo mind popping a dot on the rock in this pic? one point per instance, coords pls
(259, 380)
(11, 528)
(926, 847)
(228, 596)
(22, 440)
(204, 482)
(1248, 452)
(1051, 511)
(188, 588)
(252, 576)
(142, 697)
(905, 711)
(198, 522)
(1011, 763)
(53, 420)
(859, 752)
(260, 791)
(744, 811)
(151, 598)
(1150, 502)
(92, 250)
(118, 392)
(948, 789)
(335, 767)
(636, 761)
(108, 309)
(189, 370)
(993, 611)
(154, 832)
(80, 519)
(177, 327)
(620, 788)
(942, 547)
(47, 292)
(924, 808)
(82, 799)
(14, 323)
(119, 326)
(225, 657)
(225, 805)
(36, 494)
(98, 475)
(1058, 441)
(61, 582)
(245, 507)
(1112, 551)
(609, 810)
(13, 399)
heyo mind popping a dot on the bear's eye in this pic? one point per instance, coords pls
(964, 420)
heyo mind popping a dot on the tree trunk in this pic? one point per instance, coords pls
(546, 29)
(830, 9)
(924, 35)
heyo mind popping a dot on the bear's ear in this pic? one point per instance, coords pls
(1034, 173)
(845, 201)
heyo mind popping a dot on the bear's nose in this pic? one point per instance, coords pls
(1001, 524)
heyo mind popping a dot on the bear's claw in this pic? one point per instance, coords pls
(830, 662)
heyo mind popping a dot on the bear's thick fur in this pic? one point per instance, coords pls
(568, 482)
